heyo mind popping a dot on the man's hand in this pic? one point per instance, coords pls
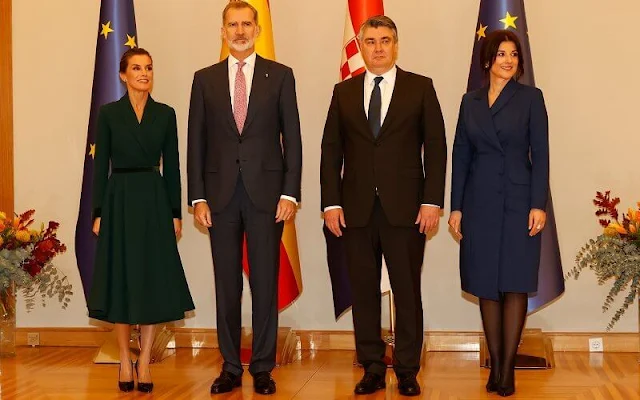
(285, 211)
(428, 217)
(334, 219)
(202, 214)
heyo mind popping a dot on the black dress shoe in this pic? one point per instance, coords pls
(408, 385)
(125, 386)
(225, 383)
(370, 383)
(263, 383)
(144, 387)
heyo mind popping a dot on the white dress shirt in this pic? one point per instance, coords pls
(387, 84)
(247, 69)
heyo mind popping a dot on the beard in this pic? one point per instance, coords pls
(237, 46)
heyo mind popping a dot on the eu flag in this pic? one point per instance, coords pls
(509, 14)
(116, 32)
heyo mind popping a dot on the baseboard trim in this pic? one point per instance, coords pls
(332, 340)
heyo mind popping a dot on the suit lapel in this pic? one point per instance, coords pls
(484, 117)
(394, 106)
(222, 80)
(259, 87)
(356, 92)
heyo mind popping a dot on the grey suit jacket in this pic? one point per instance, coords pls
(268, 152)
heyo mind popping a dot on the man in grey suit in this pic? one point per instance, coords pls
(244, 168)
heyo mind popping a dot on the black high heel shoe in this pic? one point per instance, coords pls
(494, 379)
(507, 388)
(126, 386)
(144, 387)
(506, 391)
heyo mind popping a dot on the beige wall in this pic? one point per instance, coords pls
(585, 56)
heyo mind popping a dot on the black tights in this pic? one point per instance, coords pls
(503, 321)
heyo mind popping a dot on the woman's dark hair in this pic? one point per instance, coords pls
(136, 51)
(490, 46)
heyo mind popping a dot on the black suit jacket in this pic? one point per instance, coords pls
(392, 162)
(269, 150)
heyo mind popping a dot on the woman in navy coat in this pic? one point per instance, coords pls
(499, 185)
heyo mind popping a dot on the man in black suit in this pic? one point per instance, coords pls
(244, 168)
(378, 127)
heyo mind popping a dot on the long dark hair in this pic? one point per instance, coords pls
(491, 45)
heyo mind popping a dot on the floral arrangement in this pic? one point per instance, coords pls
(25, 262)
(614, 254)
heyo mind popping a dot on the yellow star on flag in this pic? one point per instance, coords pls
(106, 29)
(131, 41)
(509, 21)
(92, 150)
(481, 31)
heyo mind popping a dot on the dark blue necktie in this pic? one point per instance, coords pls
(375, 108)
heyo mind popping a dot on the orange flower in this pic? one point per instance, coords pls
(619, 228)
(1, 241)
(3, 216)
(2, 225)
(23, 236)
(632, 228)
(609, 231)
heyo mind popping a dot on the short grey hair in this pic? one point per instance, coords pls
(376, 22)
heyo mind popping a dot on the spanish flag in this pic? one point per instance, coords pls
(289, 280)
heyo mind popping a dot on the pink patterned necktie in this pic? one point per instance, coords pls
(240, 98)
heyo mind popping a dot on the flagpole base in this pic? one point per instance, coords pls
(164, 345)
(534, 352)
(286, 346)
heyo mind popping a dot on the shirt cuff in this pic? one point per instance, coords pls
(430, 205)
(292, 199)
(332, 208)
(193, 203)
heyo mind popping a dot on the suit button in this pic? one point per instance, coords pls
(377, 144)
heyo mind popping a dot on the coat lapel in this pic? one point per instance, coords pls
(356, 91)
(507, 93)
(484, 117)
(394, 106)
(222, 80)
(148, 116)
(259, 86)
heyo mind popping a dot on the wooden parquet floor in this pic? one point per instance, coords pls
(69, 373)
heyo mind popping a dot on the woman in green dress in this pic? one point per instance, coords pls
(138, 275)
